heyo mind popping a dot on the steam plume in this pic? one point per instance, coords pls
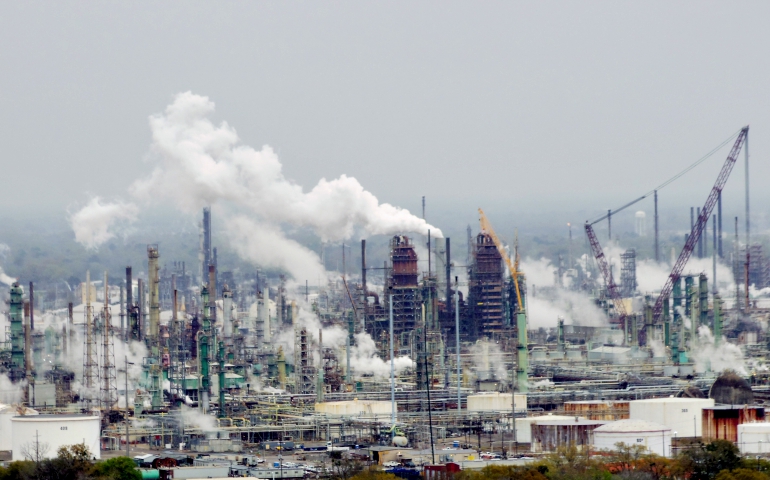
(198, 163)
(93, 222)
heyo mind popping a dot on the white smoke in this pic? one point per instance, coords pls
(10, 392)
(5, 250)
(652, 275)
(94, 224)
(364, 358)
(198, 163)
(488, 360)
(544, 309)
(707, 355)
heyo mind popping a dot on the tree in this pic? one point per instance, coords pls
(119, 468)
(705, 462)
(35, 450)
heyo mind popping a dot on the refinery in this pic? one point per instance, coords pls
(445, 353)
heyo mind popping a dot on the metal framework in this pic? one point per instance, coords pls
(601, 261)
(700, 224)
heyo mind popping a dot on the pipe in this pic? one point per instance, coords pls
(700, 237)
(457, 342)
(213, 292)
(31, 306)
(719, 214)
(140, 309)
(392, 372)
(448, 279)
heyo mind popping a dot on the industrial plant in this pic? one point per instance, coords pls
(427, 360)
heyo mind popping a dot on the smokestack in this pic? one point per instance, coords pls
(70, 322)
(719, 224)
(206, 242)
(700, 236)
(129, 289)
(363, 280)
(140, 308)
(448, 279)
(212, 292)
(31, 306)
(27, 352)
(215, 294)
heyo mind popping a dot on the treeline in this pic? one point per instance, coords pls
(719, 460)
(73, 462)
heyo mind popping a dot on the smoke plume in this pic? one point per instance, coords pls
(197, 163)
(94, 224)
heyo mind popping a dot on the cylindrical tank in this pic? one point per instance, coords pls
(682, 415)
(754, 438)
(7, 412)
(655, 438)
(400, 441)
(55, 431)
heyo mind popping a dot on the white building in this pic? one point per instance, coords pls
(655, 438)
(52, 432)
(682, 415)
(496, 402)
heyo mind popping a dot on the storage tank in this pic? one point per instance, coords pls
(55, 431)
(524, 425)
(754, 438)
(654, 437)
(356, 407)
(496, 402)
(720, 422)
(684, 416)
(598, 409)
(7, 412)
(549, 435)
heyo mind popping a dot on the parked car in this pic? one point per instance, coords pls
(390, 464)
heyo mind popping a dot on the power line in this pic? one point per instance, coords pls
(670, 180)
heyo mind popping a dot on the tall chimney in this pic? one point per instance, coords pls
(31, 306)
(448, 279)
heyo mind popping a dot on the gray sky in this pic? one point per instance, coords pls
(516, 106)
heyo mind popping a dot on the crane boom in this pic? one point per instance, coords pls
(513, 267)
(700, 224)
(601, 260)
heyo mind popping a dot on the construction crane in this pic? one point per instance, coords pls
(513, 266)
(601, 260)
(522, 347)
(699, 225)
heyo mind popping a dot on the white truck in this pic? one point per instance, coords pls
(332, 448)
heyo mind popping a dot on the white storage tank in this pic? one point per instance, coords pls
(7, 412)
(754, 438)
(684, 416)
(496, 402)
(524, 425)
(655, 438)
(354, 408)
(54, 431)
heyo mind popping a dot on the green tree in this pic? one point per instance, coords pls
(119, 468)
(705, 462)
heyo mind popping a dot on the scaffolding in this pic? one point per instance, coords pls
(402, 285)
(628, 273)
(486, 289)
(90, 362)
(109, 381)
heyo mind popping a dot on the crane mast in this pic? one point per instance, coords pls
(612, 288)
(700, 224)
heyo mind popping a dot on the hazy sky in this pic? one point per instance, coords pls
(536, 106)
